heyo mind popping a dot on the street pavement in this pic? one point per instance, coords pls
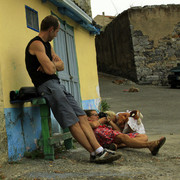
(160, 106)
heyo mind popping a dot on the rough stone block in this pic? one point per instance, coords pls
(153, 78)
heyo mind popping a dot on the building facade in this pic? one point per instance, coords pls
(20, 125)
(103, 20)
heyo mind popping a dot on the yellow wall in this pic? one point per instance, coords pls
(15, 35)
(86, 53)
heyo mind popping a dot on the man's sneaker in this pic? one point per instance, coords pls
(92, 158)
(110, 151)
(105, 156)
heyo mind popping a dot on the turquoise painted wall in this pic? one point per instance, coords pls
(23, 127)
(91, 104)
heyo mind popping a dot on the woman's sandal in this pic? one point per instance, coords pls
(159, 145)
(113, 147)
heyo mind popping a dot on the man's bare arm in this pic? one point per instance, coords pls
(57, 61)
(47, 66)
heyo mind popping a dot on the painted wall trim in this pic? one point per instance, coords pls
(70, 9)
(91, 104)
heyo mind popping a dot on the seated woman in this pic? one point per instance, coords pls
(129, 122)
(108, 135)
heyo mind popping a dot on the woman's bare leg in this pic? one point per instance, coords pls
(121, 145)
(139, 137)
(135, 143)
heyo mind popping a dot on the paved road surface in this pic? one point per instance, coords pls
(161, 109)
(160, 105)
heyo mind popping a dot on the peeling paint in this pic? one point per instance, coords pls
(91, 104)
(98, 91)
(23, 126)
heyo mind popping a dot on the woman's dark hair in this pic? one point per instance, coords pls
(48, 22)
(88, 112)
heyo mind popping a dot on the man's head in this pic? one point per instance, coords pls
(92, 115)
(49, 21)
(51, 25)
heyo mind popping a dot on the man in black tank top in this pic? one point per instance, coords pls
(42, 64)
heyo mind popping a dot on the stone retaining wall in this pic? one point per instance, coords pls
(155, 32)
(153, 63)
(151, 48)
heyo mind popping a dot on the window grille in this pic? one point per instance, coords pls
(32, 19)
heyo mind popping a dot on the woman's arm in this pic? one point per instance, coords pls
(95, 124)
(113, 125)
